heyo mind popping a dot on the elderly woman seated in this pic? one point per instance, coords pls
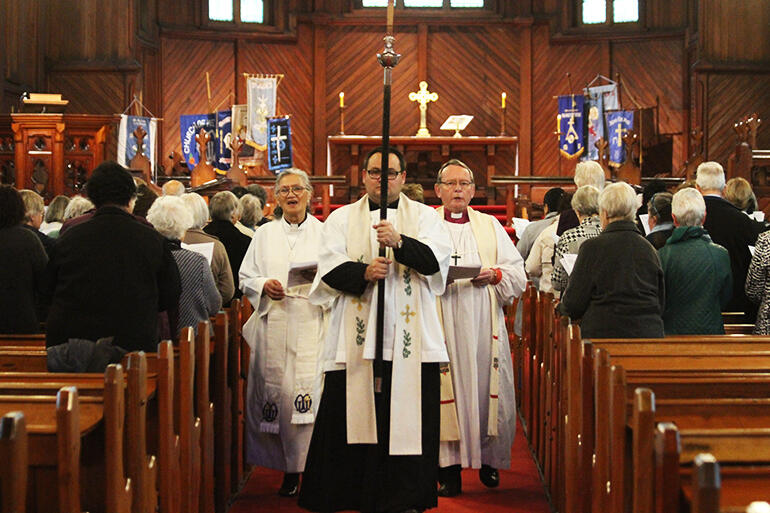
(616, 286)
(697, 271)
(200, 298)
(660, 222)
(585, 202)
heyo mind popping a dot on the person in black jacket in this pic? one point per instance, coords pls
(616, 286)
(732, 229)
(225, 212)
(111, 275)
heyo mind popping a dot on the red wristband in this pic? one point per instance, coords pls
(498, 276)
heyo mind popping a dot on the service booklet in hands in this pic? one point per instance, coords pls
(463, 272)
(301, 273)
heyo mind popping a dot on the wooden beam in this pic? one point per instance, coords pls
(525, 109)
(319, 100)
(422, 51)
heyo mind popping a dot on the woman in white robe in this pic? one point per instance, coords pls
(284, 334)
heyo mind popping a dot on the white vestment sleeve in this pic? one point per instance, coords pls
(332, 253)
(511, 264)
(434, 234)
(253, 273)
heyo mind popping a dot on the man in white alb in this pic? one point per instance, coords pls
(355, 462)
(478, 417)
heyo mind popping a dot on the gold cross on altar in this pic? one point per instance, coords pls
(423, 97)
(358, 302)
(406, 313)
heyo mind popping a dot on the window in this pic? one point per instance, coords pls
(598, 12)
(425, 3)
(237, 11)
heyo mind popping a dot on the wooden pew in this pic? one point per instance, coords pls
(142, 468)
(222, 413)
(169, 484)
(34, 340)
(23, 359)
(118, 494)
(13, 454)
(189, 425)
(68, 449)
(204, 409)
(235, 384)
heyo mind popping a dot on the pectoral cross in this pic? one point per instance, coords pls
(278, 140)
(455, 257)
(423, 97)
(407, 313)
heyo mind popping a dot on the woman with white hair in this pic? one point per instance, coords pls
(697, 271)
(616, 286)
(588, 172)
(200, 298)
(585, 202)
(220, 264)
(284, 334)
(225, 212)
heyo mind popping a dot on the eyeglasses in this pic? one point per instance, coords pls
(464, 184)
(296, 189)
(375, 173)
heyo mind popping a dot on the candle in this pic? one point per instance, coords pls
(342, 99)
(503, 100)
(558, 123)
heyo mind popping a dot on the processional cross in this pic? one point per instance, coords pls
(423, 96)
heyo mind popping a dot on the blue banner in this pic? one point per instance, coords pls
(224, 140)
(189, 126)
(618, 124)
(278, 143)
(600, 98)
(572, 137)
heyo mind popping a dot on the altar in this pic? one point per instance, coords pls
(486, 156)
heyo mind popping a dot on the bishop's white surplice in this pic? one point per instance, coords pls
(285, 339)
(467, 319)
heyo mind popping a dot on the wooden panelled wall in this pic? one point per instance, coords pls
(702, 65)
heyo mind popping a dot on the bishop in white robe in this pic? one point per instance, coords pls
(284, 334)
(480, 367)
(379, 452)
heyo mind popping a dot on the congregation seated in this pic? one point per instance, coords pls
(54, 216)
(199, 298)
(585, 202)
(732, 229)
(616, 286)
(220, 263)
(660, 221)
(225, 212)
(22, 267)
(34, 210)
(110, 275)
(738, 192)
(697, 271)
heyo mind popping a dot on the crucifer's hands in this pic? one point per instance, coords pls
(386, 234)
(377, 270)
(274, 290)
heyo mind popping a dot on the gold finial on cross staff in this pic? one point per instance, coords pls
(423, 96)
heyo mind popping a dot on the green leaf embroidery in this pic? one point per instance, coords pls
(360, 330)
(408, 281)
(407, 342)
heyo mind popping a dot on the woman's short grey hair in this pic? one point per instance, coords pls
(251, 209)
(589, 172)
(453, 162)
(295, 172)
(585, 201)
(55, 211)
(710, 176)
(77, 206)
(618, 201)
(223, 205)
(198, 208)
(688, 207)
(170, 216)
(33, 204)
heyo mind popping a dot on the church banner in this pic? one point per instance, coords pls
(224, 140)
(279, 143)
(618, 124)
(260, 101)
(127, 141)
(600, 98)
(190, 126)
(572, 137)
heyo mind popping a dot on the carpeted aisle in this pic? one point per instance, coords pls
(520, 490)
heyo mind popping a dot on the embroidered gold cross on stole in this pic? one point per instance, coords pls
(358, 302)
(423, 96)
(407, 313)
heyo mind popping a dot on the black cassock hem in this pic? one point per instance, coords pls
(365, 477)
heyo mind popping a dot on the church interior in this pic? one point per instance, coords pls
(617, 425)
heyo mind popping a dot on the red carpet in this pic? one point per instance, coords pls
(520, 490)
